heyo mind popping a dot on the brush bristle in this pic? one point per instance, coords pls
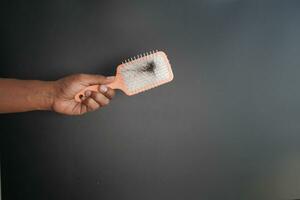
(146, 72)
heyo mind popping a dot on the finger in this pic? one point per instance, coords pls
(100, 98)
(92, 79)
(108, 92)
(85, 96)
(91, 104)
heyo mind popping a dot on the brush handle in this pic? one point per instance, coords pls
(94, 88)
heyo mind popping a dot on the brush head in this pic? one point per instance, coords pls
(144, 72)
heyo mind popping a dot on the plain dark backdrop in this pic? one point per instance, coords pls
(227, 127)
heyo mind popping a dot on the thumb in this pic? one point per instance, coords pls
(92, 79)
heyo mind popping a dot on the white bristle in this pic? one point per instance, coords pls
(136, 77)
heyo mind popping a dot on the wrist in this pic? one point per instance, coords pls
(43, 95)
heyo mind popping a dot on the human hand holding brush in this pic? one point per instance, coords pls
(78, 94)
(26, 95)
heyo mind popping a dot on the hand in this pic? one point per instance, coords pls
(66, 88)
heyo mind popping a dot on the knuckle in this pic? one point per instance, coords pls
(97, 97)
(96, 106)
(87, 103)
(105, 102)
(100, 76)
(80, 76)
(110, 93)
(93, 107)
(94, 95)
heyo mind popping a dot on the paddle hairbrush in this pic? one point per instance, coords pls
(138, 74)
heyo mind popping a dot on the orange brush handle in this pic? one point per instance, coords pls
(94, 88)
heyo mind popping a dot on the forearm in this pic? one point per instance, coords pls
(25, 95)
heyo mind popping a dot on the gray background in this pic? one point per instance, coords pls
(227, 127)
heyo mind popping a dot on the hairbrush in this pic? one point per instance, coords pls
(138, 74)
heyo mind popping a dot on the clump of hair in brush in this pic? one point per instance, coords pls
(149, 67)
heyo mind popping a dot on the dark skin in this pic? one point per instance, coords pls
(28, 95)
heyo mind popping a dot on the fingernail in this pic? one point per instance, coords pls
(87, 93)
(103, 88)
(110, 78)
